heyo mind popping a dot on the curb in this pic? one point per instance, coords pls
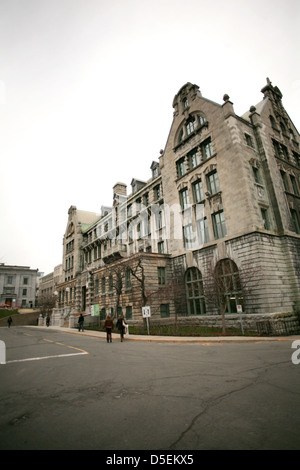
(170, 339)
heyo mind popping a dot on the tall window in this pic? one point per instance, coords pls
(194, 292)
(181, 167)
(164, 310)
(285, 152)
(103, 285)
(295, 220)
(127, 279)
(294, 185)
(128, 312)
(229, 284)
(184, 198)
(277, 148)
(188, 236)
(161, 276)
(256, 174)
(160, 247)
(284, 180)
(202, 229)
(249, 140)
(194, 158)
(265, 217)
(219, 225)
(206, 149)
(213, 182)
(198, 191)
(156, 192)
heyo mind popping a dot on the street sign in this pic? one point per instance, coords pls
(146, 311)
(239, 308)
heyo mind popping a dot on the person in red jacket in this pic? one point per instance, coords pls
(108, 325)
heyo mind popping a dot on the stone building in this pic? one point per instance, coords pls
(18, 286)
(223, 198)
(47, 284)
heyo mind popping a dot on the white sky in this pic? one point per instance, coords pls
(86, 91)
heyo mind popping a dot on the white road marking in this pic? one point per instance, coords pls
(47, 357)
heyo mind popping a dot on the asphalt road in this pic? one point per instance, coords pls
(65, 391)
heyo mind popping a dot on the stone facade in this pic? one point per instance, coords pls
(224, 196)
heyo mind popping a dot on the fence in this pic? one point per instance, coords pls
(280, 327)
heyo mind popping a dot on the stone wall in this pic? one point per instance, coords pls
(22, 319)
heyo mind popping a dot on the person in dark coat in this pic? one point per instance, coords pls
(9, 321)
(121, 327)
(80, 322)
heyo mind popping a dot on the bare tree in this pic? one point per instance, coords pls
(117, 273)
(138, 272)
(225, 283)
(46, 304)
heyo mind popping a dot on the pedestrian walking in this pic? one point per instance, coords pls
(47, 320)
(121, 327)
(81, 322)
(108, 325)
(9, 321)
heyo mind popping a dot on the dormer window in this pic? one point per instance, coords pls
(155, 170)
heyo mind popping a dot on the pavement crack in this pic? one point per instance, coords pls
(207, 407)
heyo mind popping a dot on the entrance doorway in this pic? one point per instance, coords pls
(83, 298)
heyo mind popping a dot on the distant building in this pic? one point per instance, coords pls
(46, 291)
(18, 286)
(224, 197)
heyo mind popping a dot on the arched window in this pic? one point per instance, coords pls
(190, 125)
(228, 284)
(180, 138)
(194, 291)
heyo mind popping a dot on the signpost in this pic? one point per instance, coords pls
(2, 353)
(146, 311)
(240, 310)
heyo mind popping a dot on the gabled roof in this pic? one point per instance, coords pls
(85, 217)
(259, 109)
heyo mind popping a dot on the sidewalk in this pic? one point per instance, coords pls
(175, 339)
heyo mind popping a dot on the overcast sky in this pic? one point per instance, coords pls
(86, 91)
